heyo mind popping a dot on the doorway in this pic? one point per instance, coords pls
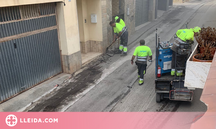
(90, 30)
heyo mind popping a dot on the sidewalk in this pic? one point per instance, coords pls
(21, 101)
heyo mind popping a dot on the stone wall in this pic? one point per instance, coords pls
(91, 46)
(106, 6)
(115, 7)
(71, 63)
(130, 19)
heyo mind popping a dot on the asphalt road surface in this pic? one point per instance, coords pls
(112, 93)
(103, 85)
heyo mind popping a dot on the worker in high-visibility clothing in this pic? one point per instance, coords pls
(186, 36)
(120, 21)
(120, 32)
(142, 53)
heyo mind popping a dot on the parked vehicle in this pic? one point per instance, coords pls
(167, 86)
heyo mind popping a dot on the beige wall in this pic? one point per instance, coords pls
(88, 30)
(69, 36)
(80, 19)
(4, 3)
(95, 29)
(85, 17)
(68, 27)
(61, 28)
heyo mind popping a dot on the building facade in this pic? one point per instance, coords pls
(42, 38)
(164, 4)
(38, 40)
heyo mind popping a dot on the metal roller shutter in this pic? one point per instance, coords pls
(142, 12)
(29, 47)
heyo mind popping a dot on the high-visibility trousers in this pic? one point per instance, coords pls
(124, 42)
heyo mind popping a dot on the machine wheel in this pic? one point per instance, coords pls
(158, 98)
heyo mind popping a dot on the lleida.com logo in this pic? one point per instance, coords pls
(11, 120)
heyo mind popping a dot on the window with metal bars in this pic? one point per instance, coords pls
(26, 11)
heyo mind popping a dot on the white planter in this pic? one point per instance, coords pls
(196, 72)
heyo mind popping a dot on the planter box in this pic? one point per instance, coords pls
(196, 72)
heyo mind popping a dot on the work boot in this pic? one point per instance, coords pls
(141, 82)
(179, 73)
(173, 72)
(124, 54)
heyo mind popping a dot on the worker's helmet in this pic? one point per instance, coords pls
(196, 29)
(116, 18)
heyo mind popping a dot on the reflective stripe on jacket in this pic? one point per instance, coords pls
(142, 52)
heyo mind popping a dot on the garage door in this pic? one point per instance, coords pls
(142, 12)
(29, 48)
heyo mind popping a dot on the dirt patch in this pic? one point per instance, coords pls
(81, 81)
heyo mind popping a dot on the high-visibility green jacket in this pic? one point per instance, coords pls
(118, 28)
(196, 29)
(185, 34)
(121, 21)
(142, 52)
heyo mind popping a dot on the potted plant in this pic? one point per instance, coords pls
(206, 45)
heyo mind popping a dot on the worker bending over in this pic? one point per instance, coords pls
(120, 31)
(185, 36)
(142, 52)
